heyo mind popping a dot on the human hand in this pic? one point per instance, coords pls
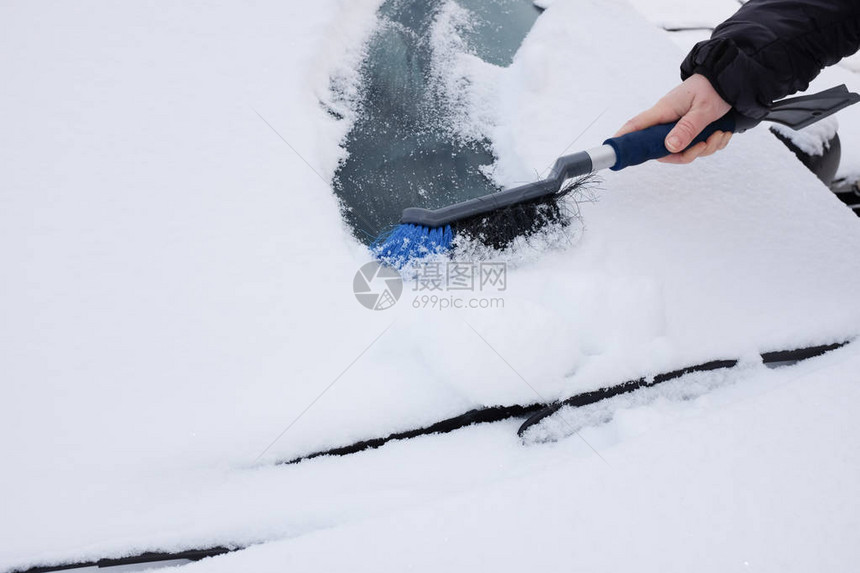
(693, 104)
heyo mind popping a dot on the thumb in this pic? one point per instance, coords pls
(686, 130)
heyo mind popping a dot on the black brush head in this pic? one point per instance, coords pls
(500, 228)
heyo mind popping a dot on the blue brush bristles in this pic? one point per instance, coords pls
(407, 242)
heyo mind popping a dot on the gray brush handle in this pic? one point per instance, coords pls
(565, 168)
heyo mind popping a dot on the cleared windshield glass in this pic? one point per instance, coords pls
(419, 139)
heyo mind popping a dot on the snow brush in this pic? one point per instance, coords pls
(497, 218)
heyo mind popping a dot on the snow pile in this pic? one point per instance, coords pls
(682, 14)
(179, 314)
(165, 254)
(679, 397)
(812, 140)
(466, 111)
(758, 476)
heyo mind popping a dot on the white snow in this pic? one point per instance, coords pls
(682, 14)
(814, 139)
(464, 80)
(178, 314)
(849, 118)
(764, 480)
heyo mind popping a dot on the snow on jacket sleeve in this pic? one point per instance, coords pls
(772, 48)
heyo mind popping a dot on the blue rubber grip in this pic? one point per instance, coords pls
(641, 146)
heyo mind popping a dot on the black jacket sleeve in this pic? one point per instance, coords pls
(772, 48)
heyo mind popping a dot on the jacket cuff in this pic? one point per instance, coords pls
(732, 73)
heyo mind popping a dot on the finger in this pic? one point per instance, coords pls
(725, 140)
(712, 145)
(716, 142)
(687, 156)
(694, 152)
(687, 128)
(660, 113)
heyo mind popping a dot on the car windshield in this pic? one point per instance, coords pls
(420, 138)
